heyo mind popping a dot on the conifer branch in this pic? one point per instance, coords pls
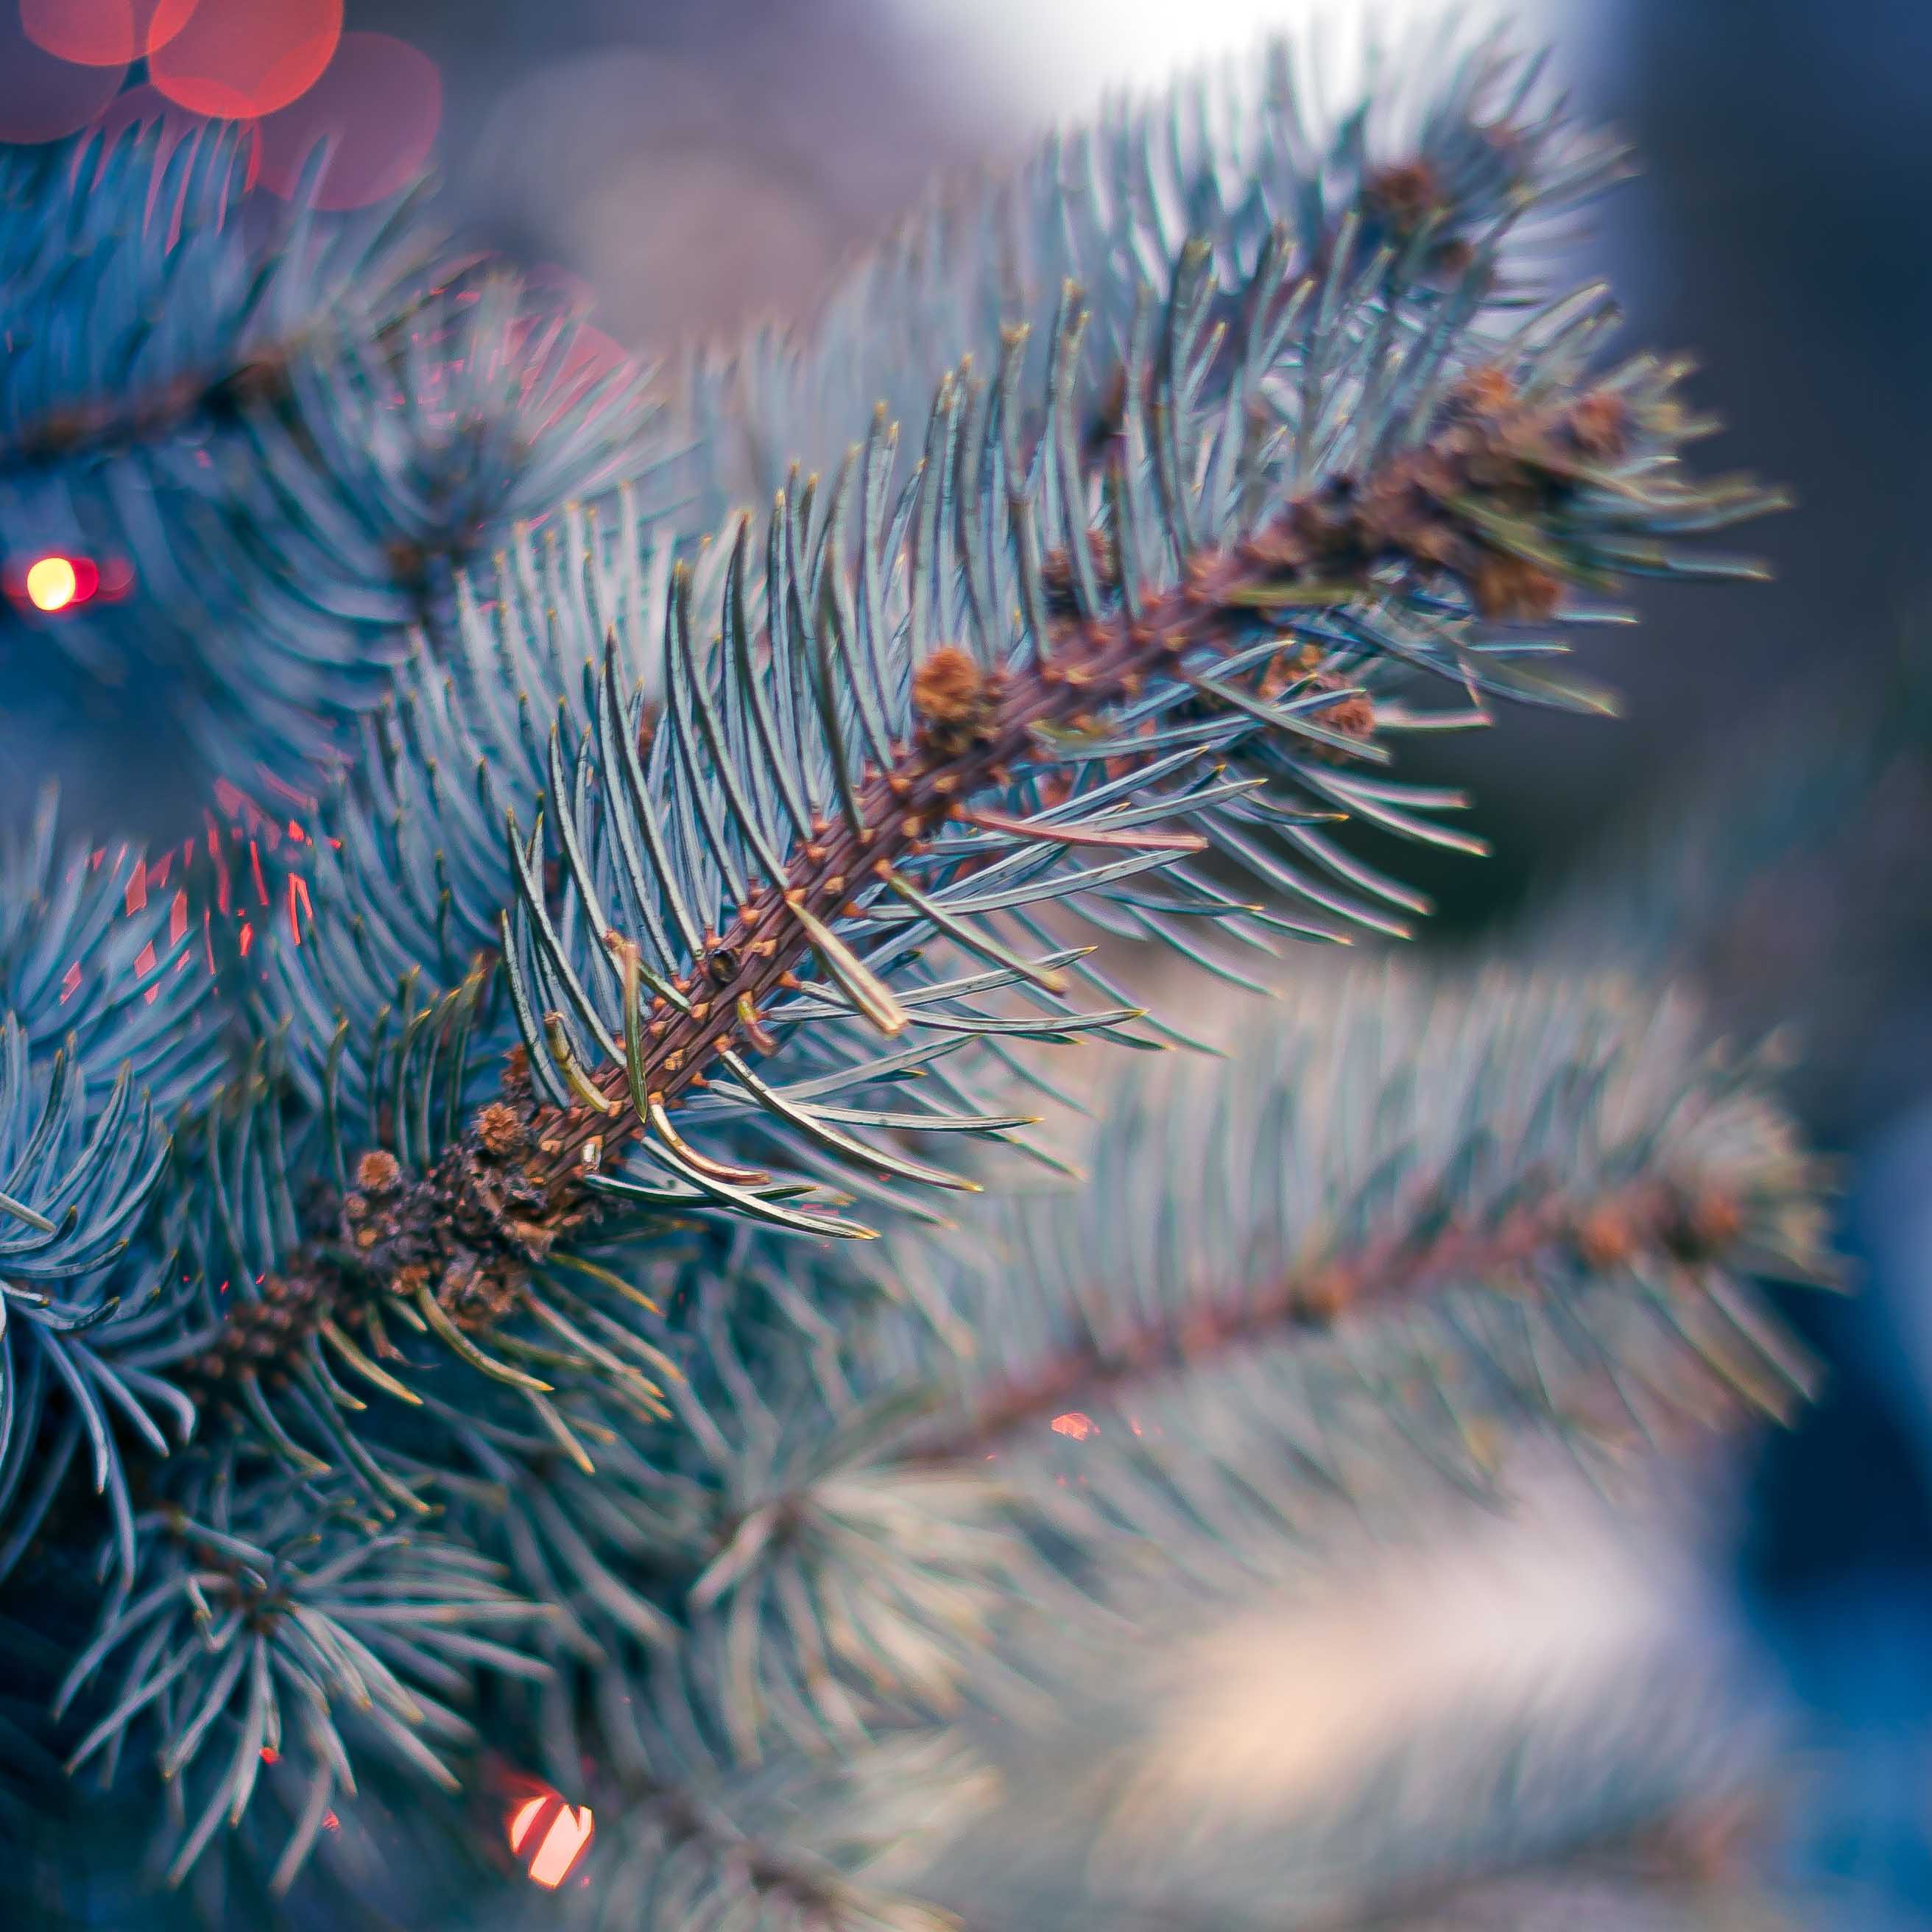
(319, 430)
(1466, 506)
(1497, 465)
(672, 860)
(665, 1826)
(1351, 1269)
(1653, 1227)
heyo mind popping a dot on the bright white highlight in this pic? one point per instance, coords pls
(1055, 58)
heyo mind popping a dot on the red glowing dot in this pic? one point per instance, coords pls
(298, 904)
(56, 583)
(378, 105)
(1075, 1424)
(522, 1819)
(554, 1834)
(42, 98)
(52, 583)
(236, 59)
(102, 33)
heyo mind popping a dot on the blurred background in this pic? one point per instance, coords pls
(688, 166)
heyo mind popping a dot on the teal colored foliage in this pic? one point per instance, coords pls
(578, 1259)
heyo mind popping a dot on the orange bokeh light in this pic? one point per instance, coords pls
(236, 59)
(522, 1819)
(42, 98)
(554, 1834)
(379, 105)
(1076, 1425)
(52, 583)
(102, 33)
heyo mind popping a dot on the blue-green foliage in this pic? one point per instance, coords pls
(99, 953)
(1378, 1140)
(260, 1612)
(770, 669)
(726, 1458)
(80, 1161)
(853, 1539)
(1237, 158)
(105, 1033)
(292, 442)
(757, 746)
(1108, 207)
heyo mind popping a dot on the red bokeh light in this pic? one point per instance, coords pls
(42, 98)
(56, 582)
(379, 103)
(237, 59)
(53, 584)
(549, 1837)
(102, 33)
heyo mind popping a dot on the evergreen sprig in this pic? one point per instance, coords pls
(80, 1161)
(871, 759)
(258, 1609)
(292, 442)
(1345, 1271)
(1455, 144)
(496, 1234)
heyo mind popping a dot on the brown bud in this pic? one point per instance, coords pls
(1507, 586)
(1708, 1221)
(379, 1172)
(1605, 1238)
(1326, 1294)
(1405, 194)
(954, 698)
(1353, 717)
(500, 1129)
(1599, 424)
(1486, 391)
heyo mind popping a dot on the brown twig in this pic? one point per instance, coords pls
(1655, 1218)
